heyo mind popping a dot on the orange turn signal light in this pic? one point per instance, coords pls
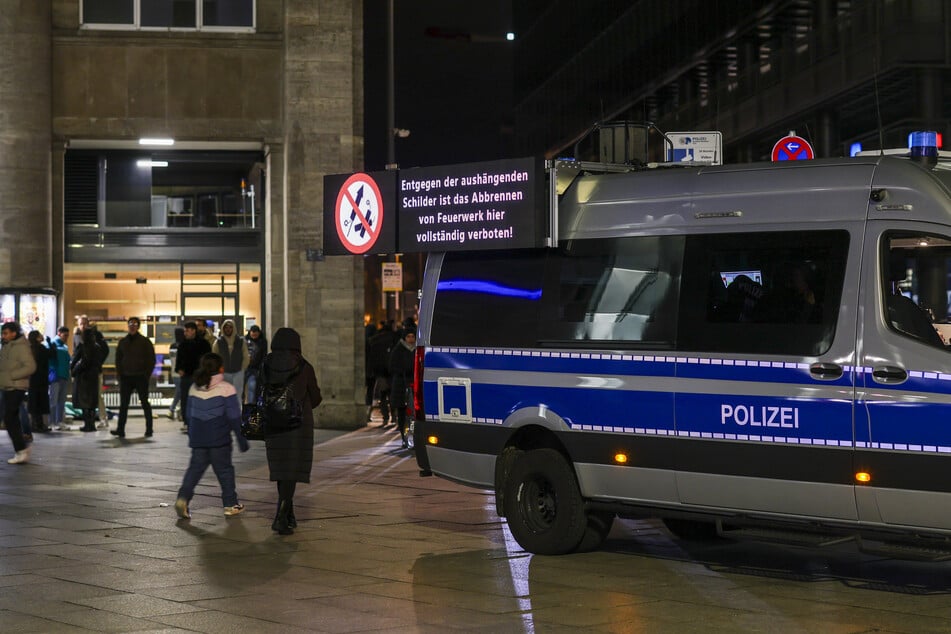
(432, 440)
(620, 458)
(863, 476)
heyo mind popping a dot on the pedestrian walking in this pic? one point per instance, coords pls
(214, 412)
(257, 350)
(176, 380)
(16, 366)
(290, 455)
(401, 378)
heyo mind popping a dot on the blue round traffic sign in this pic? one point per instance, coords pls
(792, 148)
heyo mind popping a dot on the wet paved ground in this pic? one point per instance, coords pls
(89, 542)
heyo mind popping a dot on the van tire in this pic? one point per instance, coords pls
(543, 504)
(599, 525)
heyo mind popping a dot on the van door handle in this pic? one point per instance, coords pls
(825, 371)
(889, 374)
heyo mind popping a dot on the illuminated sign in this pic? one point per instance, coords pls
(471, 206)
(360, 213)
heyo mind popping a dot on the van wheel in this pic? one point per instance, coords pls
(692, 530)
(543, 504)
(599, 525)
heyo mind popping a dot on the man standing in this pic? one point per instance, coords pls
(135, 362)
(234, 351)
(59, 387)
(190, 351)
(16, 366)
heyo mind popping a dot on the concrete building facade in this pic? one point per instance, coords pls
(289, 87)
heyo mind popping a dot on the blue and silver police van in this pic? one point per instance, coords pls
(758, 345)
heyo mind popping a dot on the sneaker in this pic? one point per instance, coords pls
(116, 432)
(181, 507)
(170, 416)
(103, 424)
(20, 457)
(233, 510)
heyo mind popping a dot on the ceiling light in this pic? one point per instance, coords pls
(156, 141)
(150, 163)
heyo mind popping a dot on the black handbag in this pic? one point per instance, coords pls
(253, 423)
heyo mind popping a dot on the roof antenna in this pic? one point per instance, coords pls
(878, 109)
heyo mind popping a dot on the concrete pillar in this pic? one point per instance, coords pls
(25, 143)
(323, 115)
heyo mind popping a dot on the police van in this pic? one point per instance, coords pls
(724, 347)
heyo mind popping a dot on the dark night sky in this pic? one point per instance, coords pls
(453, 81)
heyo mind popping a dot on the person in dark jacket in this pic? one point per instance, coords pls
(401, 378)
(257, 350)
(378, 365)
(85, 368)
(190, 351)
(290, 454)
(215, 412)
(38, 396)
(135, 362)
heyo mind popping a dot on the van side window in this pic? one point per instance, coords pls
(915, 270)
(488, 299)
(763, 293)
(618, 290)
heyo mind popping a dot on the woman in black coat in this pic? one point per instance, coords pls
(290, 454)
(38, 397)
(85, 369)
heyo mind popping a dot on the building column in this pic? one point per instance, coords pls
(323, 135)
(25, 143)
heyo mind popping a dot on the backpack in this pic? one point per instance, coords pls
(282, 411)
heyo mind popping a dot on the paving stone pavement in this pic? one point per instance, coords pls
(89, 542)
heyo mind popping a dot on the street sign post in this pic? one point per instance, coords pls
(792, 148)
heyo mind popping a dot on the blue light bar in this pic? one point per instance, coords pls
(855, 149)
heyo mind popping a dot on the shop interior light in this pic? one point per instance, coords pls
(156, 141)
(150, 163)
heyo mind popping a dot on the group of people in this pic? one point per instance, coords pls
(38, 371)
(390, 367)
(212, 376)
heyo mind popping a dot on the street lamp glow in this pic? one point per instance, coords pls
(510, 36)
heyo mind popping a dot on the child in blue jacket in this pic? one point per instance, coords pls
(214, 411)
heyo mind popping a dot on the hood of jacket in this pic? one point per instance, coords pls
(285, 360)
(285, 339)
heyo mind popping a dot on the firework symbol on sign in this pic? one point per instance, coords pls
(368, 215)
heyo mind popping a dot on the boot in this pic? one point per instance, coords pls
(291, 520)
(280, 523)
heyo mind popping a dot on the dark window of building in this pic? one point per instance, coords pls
(109, 12)
(169, 13)
(617, 290)
(228, 13)
(762, 293)
(488, 299)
